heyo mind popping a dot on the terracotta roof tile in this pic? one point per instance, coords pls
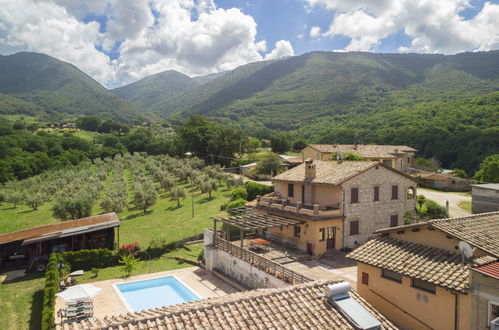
(491, 269)
(328, 172)
(364, 150)
(479, 230)
(434, 265)
(294, 307)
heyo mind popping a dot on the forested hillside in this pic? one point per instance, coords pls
(157, 88)
(33, 83)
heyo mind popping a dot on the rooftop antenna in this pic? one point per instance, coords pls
(466, 250)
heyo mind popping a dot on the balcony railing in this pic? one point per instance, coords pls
(270, 267)
(316, 210)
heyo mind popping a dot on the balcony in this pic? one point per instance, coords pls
(283, 206)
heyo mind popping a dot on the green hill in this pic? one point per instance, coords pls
(157, 88)
(57, 89)
(289, 93)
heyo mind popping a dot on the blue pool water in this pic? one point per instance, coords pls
(157, 292)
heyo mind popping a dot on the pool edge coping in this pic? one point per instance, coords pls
(127, 305)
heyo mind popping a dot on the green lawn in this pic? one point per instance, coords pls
(465, 205)
(21, 301)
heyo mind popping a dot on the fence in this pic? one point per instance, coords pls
(271, 267)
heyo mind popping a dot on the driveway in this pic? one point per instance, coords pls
(441, 197)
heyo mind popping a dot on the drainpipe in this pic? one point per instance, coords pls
(456, 309)
(343, 218)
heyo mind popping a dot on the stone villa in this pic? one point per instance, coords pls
(337, 203)
(419, 278)
(398, 157)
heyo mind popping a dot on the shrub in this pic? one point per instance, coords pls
(238, 193)
(95, 271)
(255, 189)
(129, 264)
(235, 204)
(88, 259)
(52, 279)
(129, 249)
(201, 255)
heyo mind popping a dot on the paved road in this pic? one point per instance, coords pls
(453, 198)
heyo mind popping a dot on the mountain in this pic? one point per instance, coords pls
(157, 88)
(57, 89)
(293, 92)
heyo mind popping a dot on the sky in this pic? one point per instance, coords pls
(119, 41)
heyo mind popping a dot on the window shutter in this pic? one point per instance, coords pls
(365, 278)
(355, 195)
(395, 192)
(376, 193)
(354, 227)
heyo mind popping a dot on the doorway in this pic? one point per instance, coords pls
(331, 238)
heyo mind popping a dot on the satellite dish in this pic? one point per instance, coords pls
(466, 249)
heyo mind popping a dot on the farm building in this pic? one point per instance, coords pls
(30, 247)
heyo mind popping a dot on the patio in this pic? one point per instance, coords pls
(109, 303)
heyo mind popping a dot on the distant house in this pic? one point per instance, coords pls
(339, 203)
(398, 157)
(245, 169)
(485, 197)
(417, 276)
(26, 247)
(291, 161)
(446, 182)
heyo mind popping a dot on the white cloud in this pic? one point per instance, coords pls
(315, 32)
(191, 36)
(434, 26)
(282, 48)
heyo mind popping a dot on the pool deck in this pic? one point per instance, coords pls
(109, 303)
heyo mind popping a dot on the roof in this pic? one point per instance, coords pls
(62, 229)
(479, 230)
(438, 266)
(299, 307)
(493, 186)
(491, 269)
(364, 150)
(252, 221)
(331, 172)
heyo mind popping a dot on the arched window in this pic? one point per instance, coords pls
(411, 192)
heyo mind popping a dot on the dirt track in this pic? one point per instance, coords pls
(441, 197)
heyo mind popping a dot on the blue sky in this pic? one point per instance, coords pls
(117, 42)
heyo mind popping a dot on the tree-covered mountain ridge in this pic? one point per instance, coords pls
(293, 92)
(37, 84)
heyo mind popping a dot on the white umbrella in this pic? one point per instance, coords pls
(79, 292)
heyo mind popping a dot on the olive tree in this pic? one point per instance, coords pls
(176, 194)
(145, 196)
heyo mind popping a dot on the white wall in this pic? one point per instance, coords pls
(236, 268)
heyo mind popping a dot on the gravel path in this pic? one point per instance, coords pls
(441, 197)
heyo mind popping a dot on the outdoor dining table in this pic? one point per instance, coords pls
(260, 243)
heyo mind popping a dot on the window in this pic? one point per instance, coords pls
(365, 278)
(395, 192)
(291, 190)
(493, 312)
(297, 231)
(408, 160)
(376, 193)
(394, 220)
(387, 162)
(354, 227)
(391, 275)
(423, 285)
(354, 195)
(322, 234)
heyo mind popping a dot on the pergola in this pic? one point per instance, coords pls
(250, 220)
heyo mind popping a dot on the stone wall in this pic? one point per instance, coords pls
(236, 268)
(373, 215)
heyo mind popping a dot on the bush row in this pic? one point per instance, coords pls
(52, 279)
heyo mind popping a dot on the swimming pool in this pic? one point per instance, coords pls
(157, 292)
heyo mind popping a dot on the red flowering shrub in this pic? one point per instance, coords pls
(130, 249)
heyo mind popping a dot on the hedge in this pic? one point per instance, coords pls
(88, 259)
(52, 279)
(255, 189)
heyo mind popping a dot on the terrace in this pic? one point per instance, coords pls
(273, 203)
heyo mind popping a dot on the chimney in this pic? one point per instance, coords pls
(310, 169)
